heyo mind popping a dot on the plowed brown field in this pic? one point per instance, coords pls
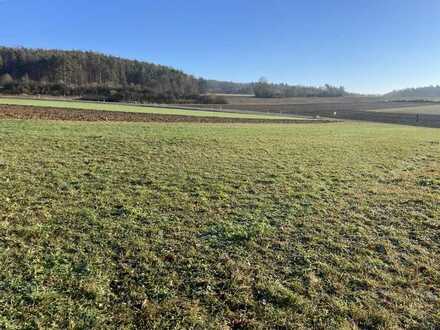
(24, 112)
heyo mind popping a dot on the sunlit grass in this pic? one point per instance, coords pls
(118, 225)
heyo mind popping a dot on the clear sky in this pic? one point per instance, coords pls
(368, 46)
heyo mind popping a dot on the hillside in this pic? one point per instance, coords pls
(97, 76)
(420, 92)
(90, 74)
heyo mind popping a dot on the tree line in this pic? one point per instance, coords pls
(96, 76)
(264, 89)
(92, 75)
(421, 92)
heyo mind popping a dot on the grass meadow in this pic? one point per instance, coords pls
(219, 226)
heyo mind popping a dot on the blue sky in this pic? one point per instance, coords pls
(368, 46)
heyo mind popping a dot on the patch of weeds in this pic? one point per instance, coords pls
(432, 183)
(230, 232)
(275, 293)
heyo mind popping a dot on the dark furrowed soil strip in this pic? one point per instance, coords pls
(46, 113)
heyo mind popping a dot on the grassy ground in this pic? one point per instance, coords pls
(108, 225)
(132, 108)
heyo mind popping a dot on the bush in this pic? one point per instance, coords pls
(6, 79)
(212, 99)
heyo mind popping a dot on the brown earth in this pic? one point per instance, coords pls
(29, 112)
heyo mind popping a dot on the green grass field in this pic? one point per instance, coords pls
(113, 225)
(134, 108)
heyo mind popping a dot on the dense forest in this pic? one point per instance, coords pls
(92, 75)
(420, 93)
(96, 76)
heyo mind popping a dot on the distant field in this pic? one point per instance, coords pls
(371, 109)
(242, 99)
(133, 108)
(428, 110)
(189, 226)
(428, 99)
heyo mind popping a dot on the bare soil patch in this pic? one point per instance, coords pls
(29, 112)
